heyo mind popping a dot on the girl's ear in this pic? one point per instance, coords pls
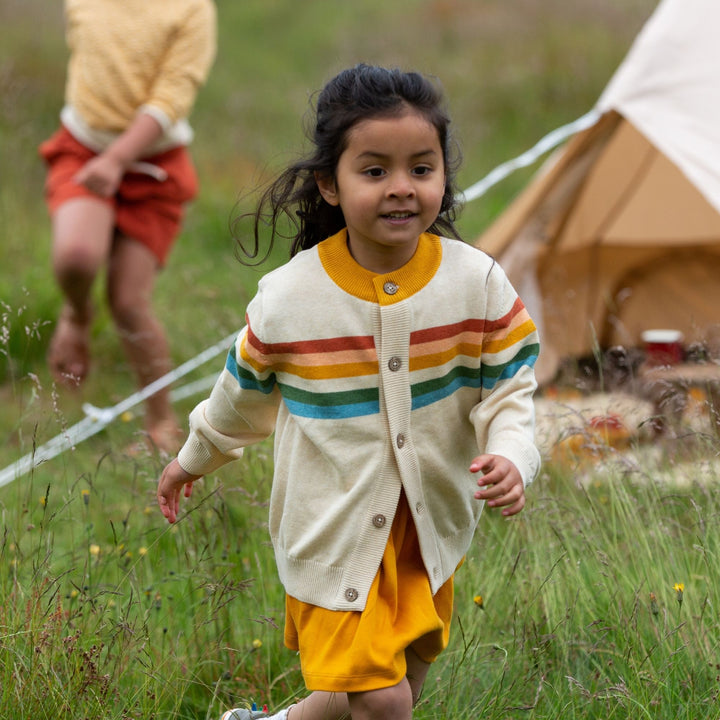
(328, 188)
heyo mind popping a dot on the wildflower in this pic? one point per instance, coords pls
(653, 604)
(478, 600)
(257, 644)
(43, 500)
(73, 594)
(85, 496)
(127, 416)
(94, 550)
(142, 552)
(679, 589)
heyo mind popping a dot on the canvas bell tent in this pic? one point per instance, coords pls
(619, 231)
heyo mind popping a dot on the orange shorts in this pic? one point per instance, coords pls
(359, 651)
(146, 209)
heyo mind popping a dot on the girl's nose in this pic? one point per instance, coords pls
(401, 186)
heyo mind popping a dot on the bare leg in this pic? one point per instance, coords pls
(392, 703)
(82, 235)
(336, 706)
(321, 706)
(131, 278)
(417, 671)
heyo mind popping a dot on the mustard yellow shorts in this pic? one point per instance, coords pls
(360, 651)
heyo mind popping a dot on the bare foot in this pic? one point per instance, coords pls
(69, 352)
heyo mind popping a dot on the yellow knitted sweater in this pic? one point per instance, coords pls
(127, 55)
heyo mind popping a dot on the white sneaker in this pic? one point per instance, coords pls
(243, 714)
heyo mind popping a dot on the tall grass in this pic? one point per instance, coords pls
(569, 610)
(108, 612)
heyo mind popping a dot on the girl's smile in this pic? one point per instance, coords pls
(389, 184)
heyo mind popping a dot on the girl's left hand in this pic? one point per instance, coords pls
(501, 483)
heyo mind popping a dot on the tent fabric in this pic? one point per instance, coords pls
(619, 231)
(668, 86)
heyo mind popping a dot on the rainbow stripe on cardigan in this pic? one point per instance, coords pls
(472, 353)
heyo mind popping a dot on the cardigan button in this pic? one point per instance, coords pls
(400, 440)
(394, 363)
(379, 520)
(390, 288)
(351, 594)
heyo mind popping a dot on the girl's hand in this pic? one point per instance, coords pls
(101, 175)
(501, 483)
(171, 484)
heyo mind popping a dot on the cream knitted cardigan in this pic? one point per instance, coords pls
(372, 383)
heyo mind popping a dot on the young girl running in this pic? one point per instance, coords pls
(395, 367)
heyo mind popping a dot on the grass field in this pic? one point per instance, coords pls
(599, 601)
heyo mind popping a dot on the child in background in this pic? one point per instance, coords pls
(393, 365)
(119, 176)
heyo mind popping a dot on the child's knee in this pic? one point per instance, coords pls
(129, 311)
(392, 703)
(76, 261)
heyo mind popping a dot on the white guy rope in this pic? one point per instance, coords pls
(547, 143)
(98, 418)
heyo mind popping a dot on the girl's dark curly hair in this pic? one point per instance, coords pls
(359, 93)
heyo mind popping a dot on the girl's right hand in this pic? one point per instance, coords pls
(101, 175)
(171, 484)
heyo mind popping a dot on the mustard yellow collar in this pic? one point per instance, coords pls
(385, 288)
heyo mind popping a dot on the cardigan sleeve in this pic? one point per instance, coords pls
(241, 410)
(504, 419)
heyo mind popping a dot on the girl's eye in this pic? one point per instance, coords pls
(375, 172)
(422, 170)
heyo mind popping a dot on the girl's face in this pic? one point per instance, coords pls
(389, 184)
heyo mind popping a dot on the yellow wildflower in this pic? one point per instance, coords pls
(85, 496)
(142, 552)
(679, 589)
(478, 600)
(257, 644)
(94, 550)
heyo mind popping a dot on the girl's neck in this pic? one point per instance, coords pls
(381, 259)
